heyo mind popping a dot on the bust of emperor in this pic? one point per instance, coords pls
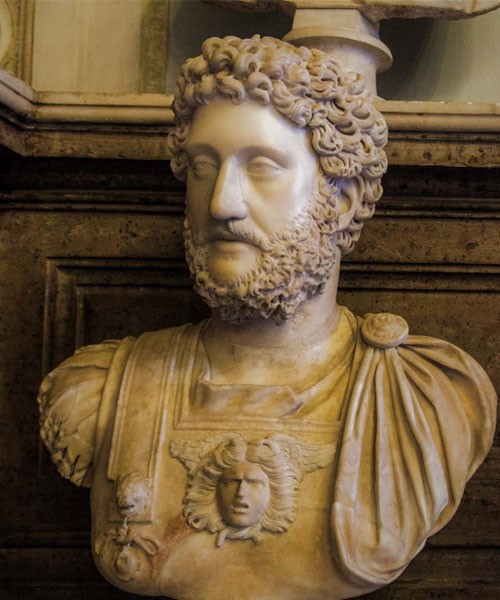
(283, 448)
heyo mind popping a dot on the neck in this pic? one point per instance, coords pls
(259, 352)
(313, 321)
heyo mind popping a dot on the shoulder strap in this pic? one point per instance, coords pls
(110, 392)
(150, 379)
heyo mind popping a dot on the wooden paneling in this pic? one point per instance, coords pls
(92, 249)
(88, 300)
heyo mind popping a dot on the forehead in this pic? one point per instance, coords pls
(245, 470)
(228, 128)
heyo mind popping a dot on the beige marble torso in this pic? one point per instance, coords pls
(188, 564)
(380, 447)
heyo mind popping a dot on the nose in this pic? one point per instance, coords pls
(227, 198)
(242, 490)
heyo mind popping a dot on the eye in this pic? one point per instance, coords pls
(256, 482)
(261, 166)
(203, 166)
(227, 482)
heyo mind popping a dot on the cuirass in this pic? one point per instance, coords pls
(151, 539)
(203, 491)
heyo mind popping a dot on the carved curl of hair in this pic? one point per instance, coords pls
(307, 87)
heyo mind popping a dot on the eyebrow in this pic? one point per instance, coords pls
(274, 153)
(248, 479)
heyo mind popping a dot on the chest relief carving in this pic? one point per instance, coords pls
(238, 489)
(128, 547)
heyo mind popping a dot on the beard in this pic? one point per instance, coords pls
(292, 266)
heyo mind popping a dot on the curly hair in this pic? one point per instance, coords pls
(201, 509)
(308, 88)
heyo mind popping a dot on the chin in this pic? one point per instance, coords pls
(228, 271)
(240, 521)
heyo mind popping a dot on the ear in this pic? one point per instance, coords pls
(348, 201)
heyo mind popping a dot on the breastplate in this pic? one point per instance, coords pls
(196, 506)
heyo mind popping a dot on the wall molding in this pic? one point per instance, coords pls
(135, 126)
(82, 124)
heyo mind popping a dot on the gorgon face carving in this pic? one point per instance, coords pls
(238, 489)
(243, 494)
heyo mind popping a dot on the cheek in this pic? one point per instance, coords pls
(274, 202)
(293, 191)
(226, 494)
(308, 184)
(260, 499)
(196, 211)
(199, 191)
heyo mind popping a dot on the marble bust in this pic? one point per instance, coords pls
(284, 448)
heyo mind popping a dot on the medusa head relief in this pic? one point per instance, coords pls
(238, 489)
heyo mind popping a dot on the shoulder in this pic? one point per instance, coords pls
(69, 401)
(419, 420)
(437, 373)
(77, 400)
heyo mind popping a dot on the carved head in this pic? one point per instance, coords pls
(238, 488)
(243, 494)
(133, 495)
(241, 488)
(283, 157)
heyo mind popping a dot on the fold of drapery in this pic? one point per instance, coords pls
(419, 421)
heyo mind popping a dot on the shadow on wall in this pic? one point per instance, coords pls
(192, 22)
(409, 40)
(434, 60)
(444, 61)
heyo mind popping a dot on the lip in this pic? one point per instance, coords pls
(228, 237)
(230, 245)
(240, 505)
(221, 236)
(127, 508)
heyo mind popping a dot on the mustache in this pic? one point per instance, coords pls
(234, 231)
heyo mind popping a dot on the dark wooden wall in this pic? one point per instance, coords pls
(91, 249)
